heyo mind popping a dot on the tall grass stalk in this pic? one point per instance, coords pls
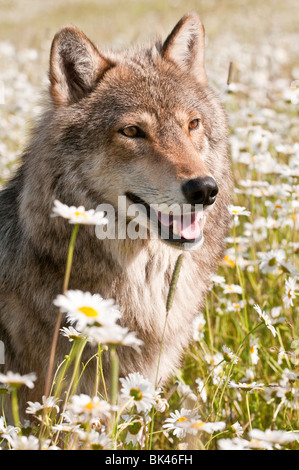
(169, 301)
(15, 406)
(233, 364)
(114, 371)
(60, 314)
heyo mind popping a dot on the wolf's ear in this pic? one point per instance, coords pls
(76, 66)
(185, 46)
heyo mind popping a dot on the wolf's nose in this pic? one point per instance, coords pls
(201, 190)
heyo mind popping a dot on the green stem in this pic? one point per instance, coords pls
(114, 390)
(15, 406)
(65, 366)
(174, 281)
(59, 318)
(70, 258)
(114, 374)
(101, 372)
(241, 278)
(248, 410)
(74, 380)
(169, 302)
(76, 354)
(233, 363)
(209, 327)
(119, 413)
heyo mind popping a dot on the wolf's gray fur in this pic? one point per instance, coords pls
(78, 156)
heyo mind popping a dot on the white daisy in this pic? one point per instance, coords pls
(236, 443)
(136, 428)
(47, 404)
(274, 437)
(216, 364)
(94, 440)
(196, 425)
(113, 334)
(215, 279)
(136, 387)
(16, 380)
(290, 294)
(201, 389)
(228, 260)
(235, 306)
(232, 289)
(238, 210)
(198, 327)
(78, 215)
(246, 386)
(276, 311)
(83, 408)
(186, 391)
(18, 442)
(253, 351)
(263, 316)
(85, 308)
(71, 333)
(271, 261)
(229, 356)
(161, 404)
(237, 428)
(179, 422)
(4, 429)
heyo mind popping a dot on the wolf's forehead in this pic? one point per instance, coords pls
(147, 90)
(152, 118)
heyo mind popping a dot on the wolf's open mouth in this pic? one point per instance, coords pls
(175, 229)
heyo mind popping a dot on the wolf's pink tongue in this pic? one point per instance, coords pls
(186, 226)
(189, 225)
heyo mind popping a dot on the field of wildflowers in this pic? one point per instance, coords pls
(238, 387)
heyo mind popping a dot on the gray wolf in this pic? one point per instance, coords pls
(144, 124)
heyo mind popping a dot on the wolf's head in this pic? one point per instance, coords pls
(142, 124)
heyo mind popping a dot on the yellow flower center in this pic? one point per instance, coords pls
(182, 419)
(136, 394)
(90, 405)
(252, 350)
(80, 214)
(197, 424)
(272, 262)
(229, 261)
(88, 311)
(134, 428)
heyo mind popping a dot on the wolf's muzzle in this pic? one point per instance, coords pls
(200, 191)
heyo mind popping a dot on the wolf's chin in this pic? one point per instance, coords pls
(185, 246)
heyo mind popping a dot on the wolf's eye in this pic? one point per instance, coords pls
(194, 124)
(132, 131)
